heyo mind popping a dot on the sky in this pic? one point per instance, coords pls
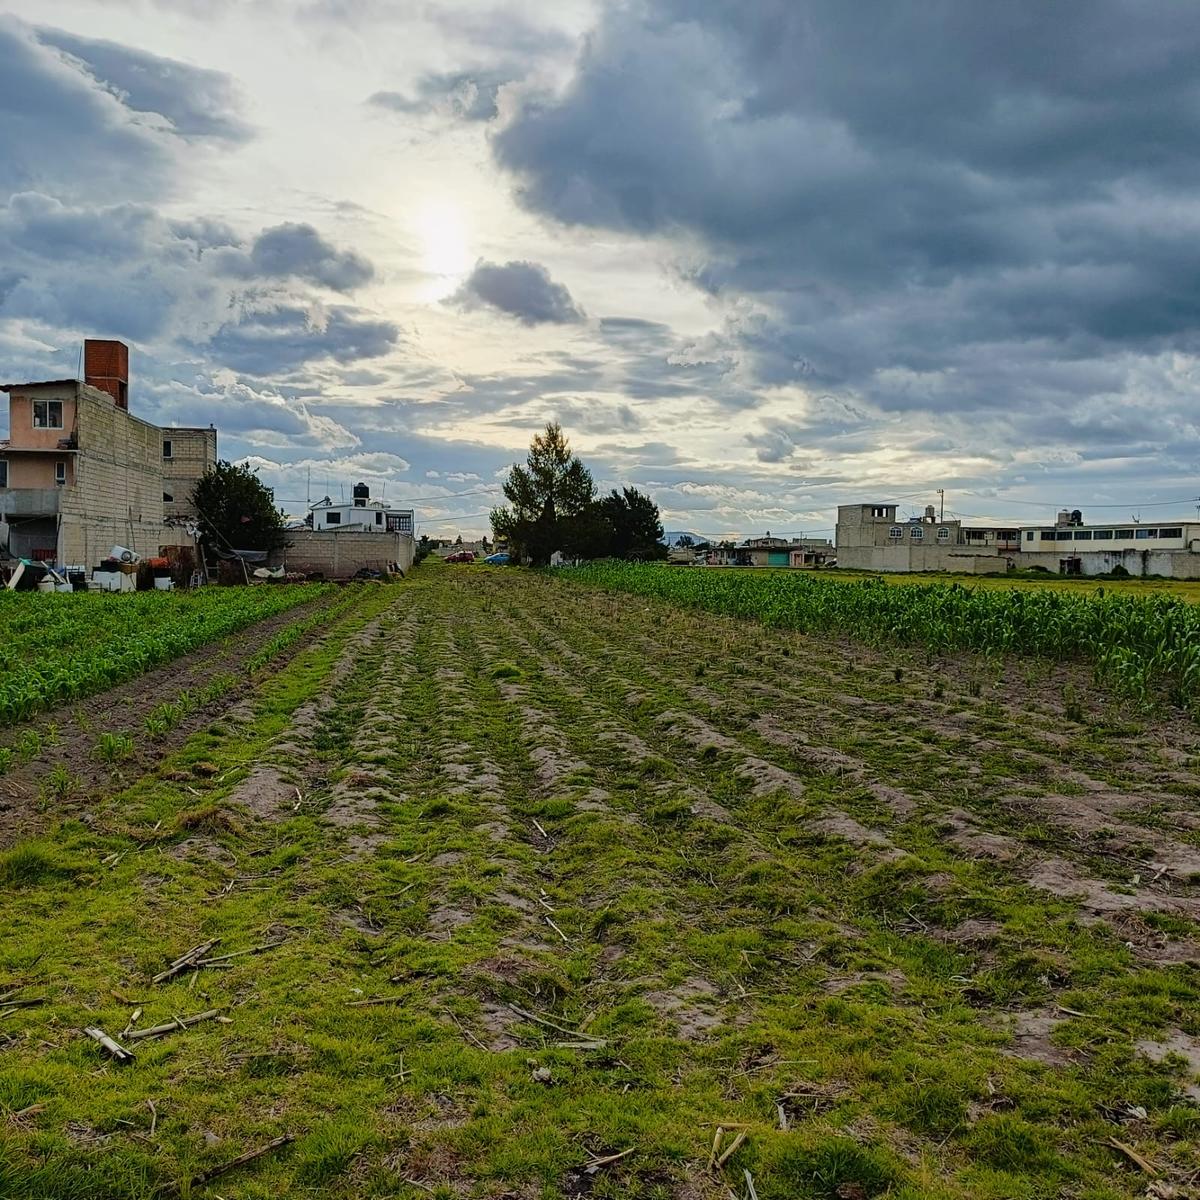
(758, 259)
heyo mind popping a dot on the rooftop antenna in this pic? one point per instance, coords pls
(942, 501)
(308, 489)
(342, 488)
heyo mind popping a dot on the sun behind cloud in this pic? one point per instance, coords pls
(444, 239)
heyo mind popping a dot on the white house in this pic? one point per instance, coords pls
(363, 515)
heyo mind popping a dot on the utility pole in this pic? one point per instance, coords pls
(942, 501)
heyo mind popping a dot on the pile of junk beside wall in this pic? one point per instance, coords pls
(121, 570)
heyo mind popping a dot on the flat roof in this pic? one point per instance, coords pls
(1157, 523)
(13, 387)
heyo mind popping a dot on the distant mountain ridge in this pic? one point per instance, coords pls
(671, 538)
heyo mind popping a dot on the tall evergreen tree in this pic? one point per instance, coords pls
(549, 501)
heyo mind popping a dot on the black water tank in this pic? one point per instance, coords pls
(362, 494)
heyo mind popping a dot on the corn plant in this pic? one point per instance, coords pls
(114, 747)
(61, 647)
(1141, 646)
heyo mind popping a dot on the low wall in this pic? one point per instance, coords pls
(1174, 564)
(341, 553)
(904, 557)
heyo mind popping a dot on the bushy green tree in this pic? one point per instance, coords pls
(635, 531)
(237, 510)
(548, 501)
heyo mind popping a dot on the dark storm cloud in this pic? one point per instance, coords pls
(469, 95)
(523, 290)
(198, 103)
(937, 208)
(282, 339)
(298, 251)
(61, 131)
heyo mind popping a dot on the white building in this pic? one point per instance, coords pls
(1073, 547)
(871, 538)
(362, 514)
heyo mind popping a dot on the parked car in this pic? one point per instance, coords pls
(461, 556)
(497, 560)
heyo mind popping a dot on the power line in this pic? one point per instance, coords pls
(418, 499)
(1049, 504)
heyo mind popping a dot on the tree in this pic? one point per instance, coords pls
(549, 501)
(685, 543)
(237, 510)
(635, 530)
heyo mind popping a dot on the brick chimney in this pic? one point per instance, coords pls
(106, 366)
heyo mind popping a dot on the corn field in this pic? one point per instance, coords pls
(1141, 646)
(58, 647)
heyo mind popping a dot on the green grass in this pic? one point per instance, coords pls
(621, 848)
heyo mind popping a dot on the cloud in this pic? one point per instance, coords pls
(244, 414)
(131, 274)
(137, 275)
(298, 251)
(523, 290)
(993, 212)
(281, 339)
(60, 131)
(198, 103)
(468, 95)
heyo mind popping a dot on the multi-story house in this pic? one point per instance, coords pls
(79, 473)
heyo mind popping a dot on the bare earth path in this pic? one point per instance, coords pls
(546, 885)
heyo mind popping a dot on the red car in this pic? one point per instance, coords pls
(461, 556)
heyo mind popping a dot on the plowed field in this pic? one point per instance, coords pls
(533, 890)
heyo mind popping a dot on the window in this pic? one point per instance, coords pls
(879, 511)
(333, 518)
(1048, 535)
(3, 472)
(1124, 535)
(60, 471)
(168, 498)
(896, 532)
(167, 448)
(1177, 531)
(1083, 535)
(943, 534)
(1102, 535)
(916, 533)
(1029, 535)
(1064, 535)
(1144, 535)
(379, 518)
(47, 414)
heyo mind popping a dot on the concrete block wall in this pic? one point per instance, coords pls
(193, 451)
(339, 554)
(116, 494)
